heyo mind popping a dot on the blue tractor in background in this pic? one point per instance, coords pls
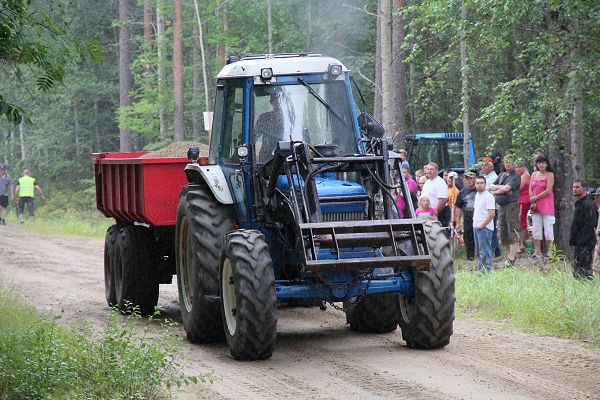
(446, 149)
(294, 203)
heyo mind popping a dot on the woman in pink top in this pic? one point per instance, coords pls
(524, 203)
(541, 196)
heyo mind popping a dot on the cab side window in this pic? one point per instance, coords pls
(233, 132)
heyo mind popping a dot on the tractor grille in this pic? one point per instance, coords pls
(343, 216)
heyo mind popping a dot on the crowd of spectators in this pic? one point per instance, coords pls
(486, 203)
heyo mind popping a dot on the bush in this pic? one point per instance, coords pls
(41, 360)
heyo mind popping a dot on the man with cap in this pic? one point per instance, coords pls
(506, 192)
(6, 188)
(583, 236)
(465, 203)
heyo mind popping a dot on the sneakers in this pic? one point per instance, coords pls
(535, 257)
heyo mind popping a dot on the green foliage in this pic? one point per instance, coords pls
(41, 360)
(556, 304)
(37, 37)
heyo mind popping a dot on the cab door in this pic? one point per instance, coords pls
(233, 135)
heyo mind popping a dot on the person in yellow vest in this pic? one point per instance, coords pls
(24, 192)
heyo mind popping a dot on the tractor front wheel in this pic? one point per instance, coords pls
(427, 318)
(249, 301)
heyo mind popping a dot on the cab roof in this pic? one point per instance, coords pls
(282, 64)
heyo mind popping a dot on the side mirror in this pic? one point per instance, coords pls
(370, 126)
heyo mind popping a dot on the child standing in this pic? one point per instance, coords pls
(425, 211)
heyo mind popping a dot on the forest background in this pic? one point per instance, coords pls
(520, 77)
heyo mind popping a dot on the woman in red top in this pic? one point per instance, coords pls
(541, 196)
(524, 203)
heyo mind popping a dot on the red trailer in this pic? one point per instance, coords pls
(141, 194)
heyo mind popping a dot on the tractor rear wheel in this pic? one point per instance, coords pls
(135, 276)
(202, 223)
(427, 318)
(109, 265)
(249, 301)
(376, 313)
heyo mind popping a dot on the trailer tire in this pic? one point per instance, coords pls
(427, 318)
(136, 280)
(109, 265)
(249, 301)
(202, 223)
(376, 313)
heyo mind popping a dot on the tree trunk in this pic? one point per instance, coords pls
(308, 24)
(124, 71)
(224, 28)
(270, 24)
(464, 71)
(377, 99)
(203, 57)
(76, 129)
(22, 135)
(387, 103)
(179, 120)
(196, 120)
(399, 86)
(161, 67)
(148, 31)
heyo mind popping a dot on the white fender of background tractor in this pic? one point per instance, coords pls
(214, 177)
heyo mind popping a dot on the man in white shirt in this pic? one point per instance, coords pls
(437, 191)
(486, 167)
(483, 224)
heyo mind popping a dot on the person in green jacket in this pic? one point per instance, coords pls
(24, 192)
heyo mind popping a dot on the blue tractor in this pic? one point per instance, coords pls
(294, 204)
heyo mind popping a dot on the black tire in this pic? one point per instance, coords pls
(249, 301)
(202, 223)
(109, 265)
(376, 313)
(427, 318)
(136, 280)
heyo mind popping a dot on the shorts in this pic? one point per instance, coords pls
(508, 223)
(542, 226)
(524, 209)
(4, 201)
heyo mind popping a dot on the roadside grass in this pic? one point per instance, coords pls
(544, 299)
(40, 359)
(67, 222)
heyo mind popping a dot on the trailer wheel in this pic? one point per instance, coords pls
(427, 318)
(202, 223)
(136, 280)
(109, 265)
(249, 301)
(376, 313)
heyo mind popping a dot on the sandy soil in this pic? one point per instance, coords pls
(317, 356)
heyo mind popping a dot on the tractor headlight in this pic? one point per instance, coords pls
(266, 73)
(334, 70)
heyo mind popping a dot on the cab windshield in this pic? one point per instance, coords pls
(318, 116)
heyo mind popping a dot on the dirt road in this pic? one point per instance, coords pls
(317, 356)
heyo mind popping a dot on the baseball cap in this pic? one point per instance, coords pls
(485, 160)
(452, 174)
(470, 174)
(596, 192)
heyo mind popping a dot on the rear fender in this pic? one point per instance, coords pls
(213, 176)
